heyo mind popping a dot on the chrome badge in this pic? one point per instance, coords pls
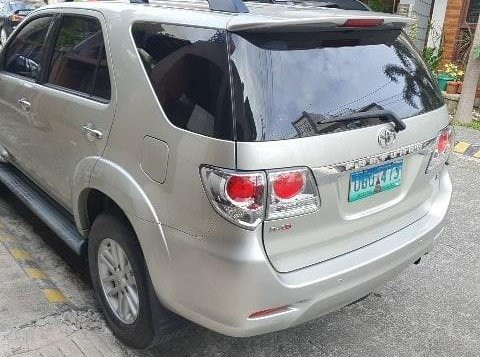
(386, 137)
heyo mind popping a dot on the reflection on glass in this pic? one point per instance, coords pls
(78, 51)
(188, 70)
(279, 78)
(24, 52)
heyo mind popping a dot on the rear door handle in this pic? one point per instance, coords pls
(91, 133)
(24, 104)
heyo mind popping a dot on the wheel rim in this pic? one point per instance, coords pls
(118, 281)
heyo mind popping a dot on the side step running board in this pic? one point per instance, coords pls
(43, 207)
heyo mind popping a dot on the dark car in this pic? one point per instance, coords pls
(11, 14)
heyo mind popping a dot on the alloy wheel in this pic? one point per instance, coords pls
(118, 281)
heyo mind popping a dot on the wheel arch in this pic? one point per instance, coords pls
(109, 186)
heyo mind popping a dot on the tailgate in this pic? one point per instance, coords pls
(341, 226)
(288, 92)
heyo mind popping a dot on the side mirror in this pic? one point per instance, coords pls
(23, 66)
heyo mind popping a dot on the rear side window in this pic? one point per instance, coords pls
(78, 61)
(284, 85)
(188, 70)
(24, 54)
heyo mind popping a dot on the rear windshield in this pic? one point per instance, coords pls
(282, 84)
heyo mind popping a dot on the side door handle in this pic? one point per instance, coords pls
(91, 133)
(24, 104)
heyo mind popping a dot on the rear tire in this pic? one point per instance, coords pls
(135, 327)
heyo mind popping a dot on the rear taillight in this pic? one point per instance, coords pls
(242, 197)
(291, 193)
(441, 151)
(443, 142)
(238, 197)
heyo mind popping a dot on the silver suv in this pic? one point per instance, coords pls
(246, 167)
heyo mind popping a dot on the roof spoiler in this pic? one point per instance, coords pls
(314, 21)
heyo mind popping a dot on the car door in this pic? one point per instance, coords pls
(74, 106)
(20, 68)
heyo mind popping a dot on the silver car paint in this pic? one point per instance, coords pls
(62, 116)
(205, 268)
(339, 226)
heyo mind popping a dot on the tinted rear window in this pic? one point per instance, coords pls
(279, 79)
(188, 69)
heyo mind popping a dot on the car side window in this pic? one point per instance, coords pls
(188, 70)
(78, 61)
(24, 54)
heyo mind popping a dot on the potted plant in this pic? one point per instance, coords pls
(454, 74)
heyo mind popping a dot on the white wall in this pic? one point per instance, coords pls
(421, 14)
(438, 16)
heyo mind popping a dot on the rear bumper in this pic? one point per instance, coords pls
(219, 290)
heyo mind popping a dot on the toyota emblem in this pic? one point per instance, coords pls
(386, 137)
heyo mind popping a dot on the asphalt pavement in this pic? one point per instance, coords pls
(431, 309)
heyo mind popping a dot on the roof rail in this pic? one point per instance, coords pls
(139, 1)
(236, 6)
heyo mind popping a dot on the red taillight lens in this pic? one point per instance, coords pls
(289, 185)
(443, 142)
(363, 22)
(292, 192)
(441, 151)
(240, 188)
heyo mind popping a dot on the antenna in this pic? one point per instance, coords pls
(236, 6)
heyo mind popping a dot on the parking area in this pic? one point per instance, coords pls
(431, 309)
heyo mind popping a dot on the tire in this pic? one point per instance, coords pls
(107, 230)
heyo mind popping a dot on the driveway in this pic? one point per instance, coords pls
(431, 309)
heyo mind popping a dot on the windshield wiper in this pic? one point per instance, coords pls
(399, 124)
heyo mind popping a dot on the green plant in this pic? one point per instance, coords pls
(454, 71)
(380, 6)
(473, 125)
(432, 57)
(412, 31)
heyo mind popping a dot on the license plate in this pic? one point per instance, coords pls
(377, 179)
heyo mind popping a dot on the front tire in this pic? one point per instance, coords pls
(119, 278)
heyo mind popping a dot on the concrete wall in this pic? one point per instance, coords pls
(436, 29)
(421, 13)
